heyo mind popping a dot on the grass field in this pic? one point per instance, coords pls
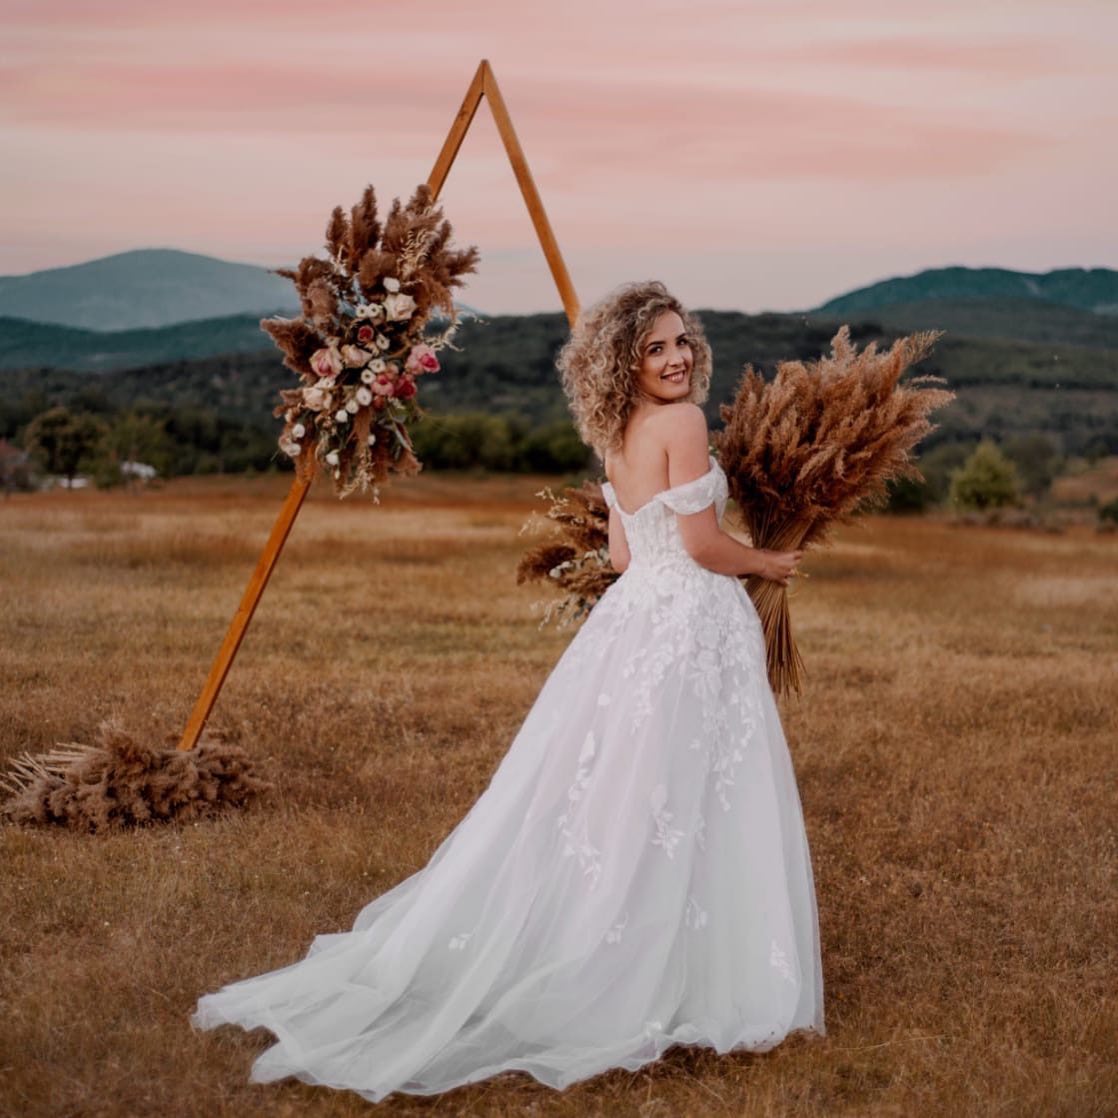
(955, 747)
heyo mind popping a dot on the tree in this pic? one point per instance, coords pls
(986, 480)
(1037, 460)
(132, 437)
(64, 441)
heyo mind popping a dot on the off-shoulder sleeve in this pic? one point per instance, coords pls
(609, 495)
(694, 496)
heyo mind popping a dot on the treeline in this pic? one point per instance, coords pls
(497, 404)
(178, 442)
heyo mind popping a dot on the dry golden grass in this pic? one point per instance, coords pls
(1098, 483)
(954, 745)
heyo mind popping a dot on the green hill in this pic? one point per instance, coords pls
(1089, 289)
(506, 365)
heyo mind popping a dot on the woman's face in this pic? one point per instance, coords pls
(664, 374)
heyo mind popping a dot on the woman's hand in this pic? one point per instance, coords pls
(778, 566)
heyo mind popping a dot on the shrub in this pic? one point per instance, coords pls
(987, 480)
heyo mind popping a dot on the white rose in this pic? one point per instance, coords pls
(364, 397)
(332, 458)
(298, 430)
(382, 342)
(352, 406)
(378, 364)
(391, 283)
(368, 376)
(341, 416)
(354, 356)
(372, 440)
(399, 307)
(290, 448)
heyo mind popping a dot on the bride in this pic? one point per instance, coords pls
(636, 875)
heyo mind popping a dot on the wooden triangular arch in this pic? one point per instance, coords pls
(484, 84)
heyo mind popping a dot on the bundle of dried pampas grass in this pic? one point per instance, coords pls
(119, 783)
(574, 559)
(817, 444)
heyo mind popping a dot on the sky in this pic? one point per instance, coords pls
(754, 155)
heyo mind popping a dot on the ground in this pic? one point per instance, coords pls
(955, 748)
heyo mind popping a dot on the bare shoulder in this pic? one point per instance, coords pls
(686, 441)
(682, 424)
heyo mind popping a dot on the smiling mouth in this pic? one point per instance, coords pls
(675, 377)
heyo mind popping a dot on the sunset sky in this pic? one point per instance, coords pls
(755, 155)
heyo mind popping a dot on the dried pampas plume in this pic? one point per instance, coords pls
(575, 557)
(119, 783)
(813, 447)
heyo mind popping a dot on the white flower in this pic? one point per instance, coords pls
(378, 364)
(363, 396)
(372, 440)
(290, 448)
(399, 308)
(391, 284)
(375, 311)
(368, 376)
(382, 342)
(332, 458)
(354, 356)
(341, 416)
(298, 431)
(315, 398)
(352, 406)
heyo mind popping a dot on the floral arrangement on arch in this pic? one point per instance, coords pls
(363, 339)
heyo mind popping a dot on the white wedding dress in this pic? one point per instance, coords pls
(636, 875)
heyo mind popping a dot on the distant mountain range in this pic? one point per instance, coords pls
(151, 289)
(147, 288)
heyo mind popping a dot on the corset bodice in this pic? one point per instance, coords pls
(652, 531)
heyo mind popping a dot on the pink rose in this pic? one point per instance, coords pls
(382, 386)
(365, 334)
(327, 363)
(405, 388)
(422, 359)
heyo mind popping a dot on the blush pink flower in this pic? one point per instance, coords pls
(422, 359)
(327, 363)
(382, 386)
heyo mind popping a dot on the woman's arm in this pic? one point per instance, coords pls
(618, 544)
(688, 458)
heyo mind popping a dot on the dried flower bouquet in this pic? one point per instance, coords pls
(575, 557)
(806, 451)
(363, 339)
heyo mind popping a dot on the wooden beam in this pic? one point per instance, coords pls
(239, 625)
(531, 195)
(457, 131)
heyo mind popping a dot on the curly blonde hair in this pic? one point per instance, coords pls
(598, 362)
